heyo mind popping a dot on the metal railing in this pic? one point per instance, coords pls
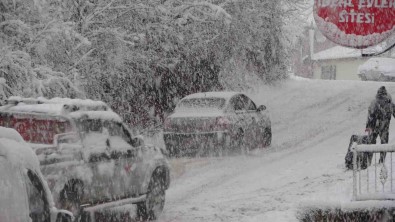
(374, 181)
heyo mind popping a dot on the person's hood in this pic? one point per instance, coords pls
(382, 93)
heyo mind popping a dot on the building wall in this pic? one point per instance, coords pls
(346, 69)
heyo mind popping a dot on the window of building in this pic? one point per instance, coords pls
(328, 72)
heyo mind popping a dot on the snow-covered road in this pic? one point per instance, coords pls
(312, 123)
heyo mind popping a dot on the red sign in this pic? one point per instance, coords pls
(355, 23)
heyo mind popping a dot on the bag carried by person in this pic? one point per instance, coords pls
(363, 158)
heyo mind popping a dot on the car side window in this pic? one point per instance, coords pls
(249, 103)
(238, 103)
(38, 204)
(120, 141)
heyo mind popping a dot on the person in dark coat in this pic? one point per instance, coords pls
(379, 117)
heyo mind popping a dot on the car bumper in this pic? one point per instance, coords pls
(184, 141)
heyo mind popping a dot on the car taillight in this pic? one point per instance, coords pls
(167, 124)
(223, 123)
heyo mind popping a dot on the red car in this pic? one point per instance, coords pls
(216, 123)
(89, 157)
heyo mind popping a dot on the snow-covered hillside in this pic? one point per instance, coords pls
(312, 123)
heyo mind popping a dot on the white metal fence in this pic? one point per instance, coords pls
(376, 181)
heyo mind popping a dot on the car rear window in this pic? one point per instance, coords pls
(201, 103)
(34, 129)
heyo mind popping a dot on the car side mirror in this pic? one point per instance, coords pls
(137, 141)
(66, 138)
(261, 108)
(63, 216)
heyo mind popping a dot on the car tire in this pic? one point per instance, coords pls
(71, 196)
(155, 199)
(267, 137)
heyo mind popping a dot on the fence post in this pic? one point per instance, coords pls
(354, 169)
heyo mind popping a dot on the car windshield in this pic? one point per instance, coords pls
(202, 103)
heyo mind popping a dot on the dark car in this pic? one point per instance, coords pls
(89, 157)
(214, 123)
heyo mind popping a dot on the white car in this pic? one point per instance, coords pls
(378, 69)
(24, 194)
(216, 122)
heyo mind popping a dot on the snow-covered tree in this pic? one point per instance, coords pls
(140, 56)
(25, 38)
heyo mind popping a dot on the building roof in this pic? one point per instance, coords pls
(340, 52)
(337, 52)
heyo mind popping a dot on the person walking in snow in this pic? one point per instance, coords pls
(379, 117)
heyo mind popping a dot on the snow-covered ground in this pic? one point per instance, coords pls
(312, 121)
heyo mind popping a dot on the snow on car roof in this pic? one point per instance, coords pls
(61, 106)
(225, 95)
(57, 100)
(104, 115)
(383, 65)
(54, 109)
(16, 150)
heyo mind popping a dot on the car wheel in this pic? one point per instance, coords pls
(267, 137)
(155, 199)
(71, 196)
